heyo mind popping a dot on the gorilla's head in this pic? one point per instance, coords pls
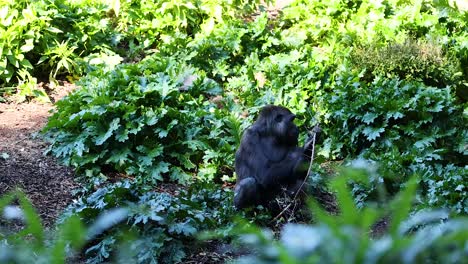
(278, 121)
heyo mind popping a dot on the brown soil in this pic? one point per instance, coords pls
(22, 163)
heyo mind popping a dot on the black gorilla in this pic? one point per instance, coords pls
(268, 158)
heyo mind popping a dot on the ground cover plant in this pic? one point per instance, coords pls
(163, 226)
(154, 97)
(69, 38)
(168, 88)
(421, 236)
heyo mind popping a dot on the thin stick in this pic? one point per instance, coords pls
(315, 130)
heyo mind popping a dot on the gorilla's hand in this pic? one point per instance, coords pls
(311, 139)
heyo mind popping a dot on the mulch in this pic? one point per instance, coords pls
(23, 164)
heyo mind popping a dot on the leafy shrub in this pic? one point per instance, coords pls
(424, 236)
(257, 65)
(41, 37)
(445, 185)
(411, 60)
(163, 24)
(34, 244)
(401, 124)
(58, 36)
(22, 25)
(390, 115)
(152, 119)
(164, 226)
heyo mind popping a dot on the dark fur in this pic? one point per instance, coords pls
(269, 158)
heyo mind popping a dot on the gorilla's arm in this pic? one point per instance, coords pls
(246, 160)
(270, 164)
(286, 171)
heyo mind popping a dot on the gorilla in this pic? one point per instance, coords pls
(268, 158)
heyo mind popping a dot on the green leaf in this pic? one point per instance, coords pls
(114, 125)
(155, 172)
(207, 172)
(401, 206)
(185, 228)
(54, 30)
(151, 117)
(180, 176)
(119, 156)
(349, 212)
(425, 142)
(372, 132)
(395, 115)
(34, 225)
(184, 159)
(71, 232)
(4, 156)
(369, 118)
(29, 45)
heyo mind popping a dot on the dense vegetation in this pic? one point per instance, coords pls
(167, 88)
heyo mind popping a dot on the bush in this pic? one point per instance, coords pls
(411, 60)
(24, 31)
(152, 120)
(445, 186)
(420, 237)
(403, 125)
(33, 243)
(164, 226)
(58, 38)
(42, 39)
(389, 115)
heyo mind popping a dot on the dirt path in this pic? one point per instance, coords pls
(22, 163)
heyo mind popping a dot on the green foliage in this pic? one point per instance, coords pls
(379, 28)
(176, 115)
(412, 237)
(411, 60)
(33, 244)
(20, 27)
(445, 186)
(59, 36)
(390, 115)
(36, 37)
(164, 226)
(406, 126)
(166, 23)
(197, 73)
(153, 120)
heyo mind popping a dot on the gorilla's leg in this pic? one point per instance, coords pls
(246, 193)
